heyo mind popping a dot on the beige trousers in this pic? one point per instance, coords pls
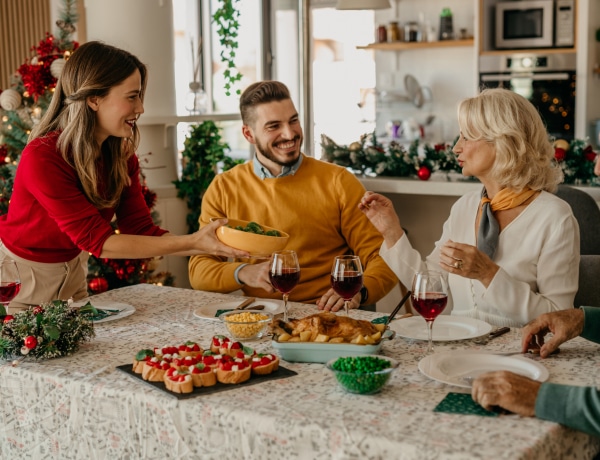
(41, 282)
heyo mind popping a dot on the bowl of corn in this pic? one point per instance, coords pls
(246, 324)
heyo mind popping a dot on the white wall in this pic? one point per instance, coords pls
(450, 73)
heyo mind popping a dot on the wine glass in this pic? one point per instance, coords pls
(10, 282)
(284, 274)
(346, 278)
(429, 298)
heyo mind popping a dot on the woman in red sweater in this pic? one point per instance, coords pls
(77, 172)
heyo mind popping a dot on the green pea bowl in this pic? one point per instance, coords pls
(365, 374)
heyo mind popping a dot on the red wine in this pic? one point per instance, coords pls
(8, 291)
(347, 285)
(430, 306)
(286, 280)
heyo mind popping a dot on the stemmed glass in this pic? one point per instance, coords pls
(429, 298)
(346, 278)
(10, 283)
(284, 274)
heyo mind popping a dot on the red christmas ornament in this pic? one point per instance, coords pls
(424, 173)
(560, 154)
(589, 153)
(98, 285)
(8, 318)
(30, 342)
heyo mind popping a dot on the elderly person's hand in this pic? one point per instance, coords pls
(468, 261)
(510, 391)
(564, 325)
(333, 302)
(380, 211)
(597, 166)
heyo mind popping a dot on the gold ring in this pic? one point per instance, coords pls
(458, 264)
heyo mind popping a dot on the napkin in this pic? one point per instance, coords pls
(462, 403)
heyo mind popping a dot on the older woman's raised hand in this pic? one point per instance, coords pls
(564, 325)
(380, 211)
(468, 261)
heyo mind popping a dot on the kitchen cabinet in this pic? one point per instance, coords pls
(405, 46)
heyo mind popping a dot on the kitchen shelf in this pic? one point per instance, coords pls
(403, 46)
(535, 51)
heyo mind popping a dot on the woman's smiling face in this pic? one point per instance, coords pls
(118, 111)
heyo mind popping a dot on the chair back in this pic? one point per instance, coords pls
(586, 211)
(588, 293)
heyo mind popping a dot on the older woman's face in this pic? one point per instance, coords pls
(476, 158)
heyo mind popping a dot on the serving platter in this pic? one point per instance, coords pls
(460, 368)
(321, 352)
(446, 328)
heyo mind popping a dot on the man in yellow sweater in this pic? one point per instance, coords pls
(314, 201)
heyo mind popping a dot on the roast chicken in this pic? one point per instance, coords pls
(328, 324)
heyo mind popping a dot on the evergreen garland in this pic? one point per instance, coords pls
(369, 157)
(47, 331)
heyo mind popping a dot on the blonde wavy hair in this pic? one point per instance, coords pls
(92, 70)
(513, 126)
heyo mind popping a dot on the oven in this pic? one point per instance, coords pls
(548, 81)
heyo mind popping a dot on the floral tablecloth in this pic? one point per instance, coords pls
(80, 406)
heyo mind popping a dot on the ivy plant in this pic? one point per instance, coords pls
(226, 19)
(204, 155)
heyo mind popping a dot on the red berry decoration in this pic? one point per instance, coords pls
(424, 173)
(30, 342)
(38, 310)
(8, 318)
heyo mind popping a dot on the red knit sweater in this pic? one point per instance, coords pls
(51, 220)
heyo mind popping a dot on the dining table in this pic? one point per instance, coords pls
(84, 406)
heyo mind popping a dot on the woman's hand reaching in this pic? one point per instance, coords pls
(380, 211)
(468, 261)
(206, 242)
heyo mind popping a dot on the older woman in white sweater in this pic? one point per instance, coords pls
(511, 251)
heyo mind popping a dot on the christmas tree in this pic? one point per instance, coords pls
(21, 107)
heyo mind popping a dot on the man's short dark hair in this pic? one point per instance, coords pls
(258, 93)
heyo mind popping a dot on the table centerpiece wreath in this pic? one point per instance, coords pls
(49, 330)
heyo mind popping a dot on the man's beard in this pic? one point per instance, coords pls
(270, 156)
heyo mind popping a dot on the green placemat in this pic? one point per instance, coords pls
(461, 403)
(218, 313)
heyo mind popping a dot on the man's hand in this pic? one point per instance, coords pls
(333, 302)
(257, 276)
(510, 391)
(564, 325)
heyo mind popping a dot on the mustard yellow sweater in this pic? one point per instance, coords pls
(317, 206)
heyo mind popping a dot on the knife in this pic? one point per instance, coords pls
(498, 332)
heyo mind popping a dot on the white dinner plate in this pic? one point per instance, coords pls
(459, 368)
(124, 309)
(445, 328)
(210, 310)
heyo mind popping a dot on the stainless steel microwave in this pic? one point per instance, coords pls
(535, 24)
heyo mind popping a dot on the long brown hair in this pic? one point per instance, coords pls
(92, 70)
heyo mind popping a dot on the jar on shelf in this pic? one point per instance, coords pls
(446, 26)
(412, 32)
(381, 34)
(393, 32)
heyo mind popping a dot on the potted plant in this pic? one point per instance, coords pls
(204, 154)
